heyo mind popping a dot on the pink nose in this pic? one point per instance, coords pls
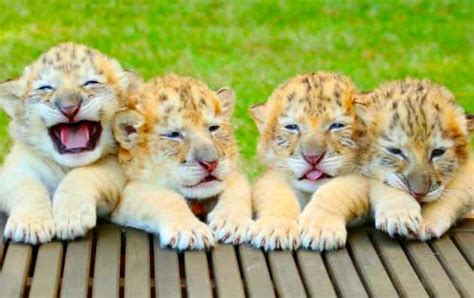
(209, 165)
(70, 112)
(312, 159)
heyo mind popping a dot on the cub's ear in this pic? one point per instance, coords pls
(134, 80)
(10, 100)
(259, 113)
(227, 97)
(126, 126)
(364, 107)
(470, 123)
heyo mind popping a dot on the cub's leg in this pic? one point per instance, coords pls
(458, 199)
(277, 210)
(395, 211)
(27, 202)
(231, 217)
(323, 221)
(85, 192)
(162, 211)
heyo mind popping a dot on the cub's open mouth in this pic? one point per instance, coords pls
(75, 137)
(314, 175)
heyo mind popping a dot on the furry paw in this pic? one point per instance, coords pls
(30, 227)
(433, 229)
(319, 231)
(73, 219)
(187, 233)
(275, 232)
(228, 227)
(399, 220)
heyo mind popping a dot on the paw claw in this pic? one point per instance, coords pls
(231, 226)
(30, 227)
(274, 232)
(321, 231)
(188, 233)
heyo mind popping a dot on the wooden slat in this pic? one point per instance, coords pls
(466, 244)
(256, 275)
(459, 270)
(344, 274)
(398, 266)
(370, 267)
(167, 280)
(464, 226)
(198, 282)
(107, 262)
(3, 220)
(430, 270)
(47, 270)
(137, 264)
(314, 274)
(15, 270)
(285, 274)
(76, 268)
(226, 272)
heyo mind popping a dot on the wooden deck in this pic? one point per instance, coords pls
(114, 262)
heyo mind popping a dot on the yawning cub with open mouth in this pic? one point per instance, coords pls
(62, 162)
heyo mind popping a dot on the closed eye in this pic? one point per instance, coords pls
(91, 82)
(45, 88)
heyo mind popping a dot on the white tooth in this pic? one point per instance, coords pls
(63, 135)
(87, 132)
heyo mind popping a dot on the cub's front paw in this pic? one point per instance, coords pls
(73, 219)
(188, 233)
(399, 220)
(320, 231)
(430, 229)
(30, 227)
(275, 232)
(229, 227)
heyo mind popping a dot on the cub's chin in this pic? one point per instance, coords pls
(309, 186)
(207, 188)
(73, 160)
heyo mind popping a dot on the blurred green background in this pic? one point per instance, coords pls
(253, 46)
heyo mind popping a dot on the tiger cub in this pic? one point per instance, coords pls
(308, 140)
(178, 151)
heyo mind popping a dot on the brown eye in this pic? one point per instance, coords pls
(437, 152)
(213, 128)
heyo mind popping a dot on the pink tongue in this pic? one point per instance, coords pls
(314, 175)
(75, 137)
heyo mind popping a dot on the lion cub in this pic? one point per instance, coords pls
(415, 149)
(418, 153)
(62, 162)
(308, 133)
(179, 153)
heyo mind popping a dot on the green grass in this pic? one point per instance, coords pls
(254, 46)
